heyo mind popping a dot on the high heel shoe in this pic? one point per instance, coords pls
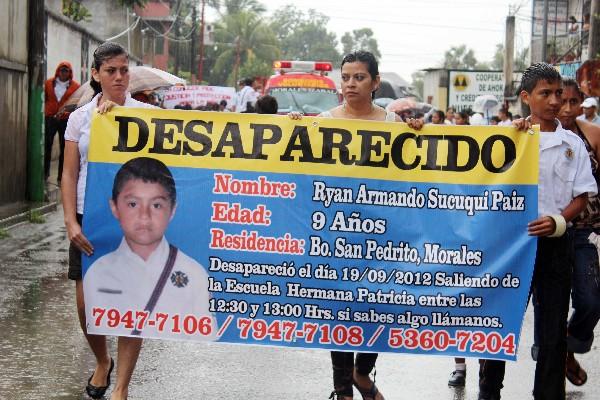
(96, 392)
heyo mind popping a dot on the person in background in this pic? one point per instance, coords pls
(223, 105)
(585, 293)
(495, 120)
(505, 117)
(420, 116)
(154, 99)
(266, 105)
(450, 116)
(477, 118)
(590, 108)
(461, 118)
(438, 117)
(246, 96)
(57, 91)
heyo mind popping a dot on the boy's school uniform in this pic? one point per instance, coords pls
(565, 171)
(122, 280)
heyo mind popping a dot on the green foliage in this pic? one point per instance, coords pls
(459, 57)
(73, 9)
(520, 61)
(131, 3)
(228, 7)
(4, 233)
(36, 217)
(417, 82)
(360, 39)
(240, 37)
(253, 67)
(304, 35)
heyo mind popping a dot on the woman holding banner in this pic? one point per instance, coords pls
(110, 79)
(360, 80)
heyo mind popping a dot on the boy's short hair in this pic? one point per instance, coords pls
(538, 72)
(149, 170)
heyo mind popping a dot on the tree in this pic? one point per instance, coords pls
(304, 36)
(360, 39)
(520, 60)
(253, 67)
(417, 82)
(131, 3)
(459, 57)
(228, 7)
(76, 11)
(241, 37)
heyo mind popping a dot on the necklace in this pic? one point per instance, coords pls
(346, 111)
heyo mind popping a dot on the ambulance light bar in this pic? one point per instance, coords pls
(303, 66)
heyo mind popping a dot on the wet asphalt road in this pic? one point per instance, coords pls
(43, 354)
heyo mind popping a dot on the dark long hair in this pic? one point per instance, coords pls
(105, 52)
(365, 57)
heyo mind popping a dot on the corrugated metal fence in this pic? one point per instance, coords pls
(13, 100)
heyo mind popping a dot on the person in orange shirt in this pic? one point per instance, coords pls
(57, 91)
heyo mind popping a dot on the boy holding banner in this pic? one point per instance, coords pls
(565, 181)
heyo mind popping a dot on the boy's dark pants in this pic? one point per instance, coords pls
(551, 287)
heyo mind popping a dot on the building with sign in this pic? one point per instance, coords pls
(567, 31)
(443, 88)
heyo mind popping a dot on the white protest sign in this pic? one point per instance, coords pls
(196, 96)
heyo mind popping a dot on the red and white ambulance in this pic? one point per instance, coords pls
(302, 86)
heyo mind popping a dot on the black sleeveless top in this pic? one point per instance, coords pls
(590, 216)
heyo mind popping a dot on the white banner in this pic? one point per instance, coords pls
(195, 96)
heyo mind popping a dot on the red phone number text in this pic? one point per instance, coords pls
(161, 322)
(464, 341)
(410, 339)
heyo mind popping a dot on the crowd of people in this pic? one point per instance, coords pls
(569, 212)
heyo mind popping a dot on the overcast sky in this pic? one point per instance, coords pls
(414, 34)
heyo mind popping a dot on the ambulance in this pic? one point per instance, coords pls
(302, 86)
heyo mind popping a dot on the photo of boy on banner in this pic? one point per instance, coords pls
(146, 273)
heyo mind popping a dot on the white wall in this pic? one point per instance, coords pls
(64, 44)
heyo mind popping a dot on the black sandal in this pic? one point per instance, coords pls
(368, 394)
(97, 392)
(339, 395)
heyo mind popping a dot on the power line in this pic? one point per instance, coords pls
(129, 28)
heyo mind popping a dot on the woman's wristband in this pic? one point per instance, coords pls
(560, 225)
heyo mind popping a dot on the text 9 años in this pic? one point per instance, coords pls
(406, 151)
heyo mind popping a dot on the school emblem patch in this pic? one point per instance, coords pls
(569, 153)
(179, 279)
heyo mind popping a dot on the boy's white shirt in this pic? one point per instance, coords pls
(124, 281)
(565, 171)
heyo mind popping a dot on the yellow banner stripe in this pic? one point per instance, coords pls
(318, 146)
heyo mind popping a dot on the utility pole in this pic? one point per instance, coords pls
(509, 54)
(193, 43)
(594, 35)
(545, 32)
(36, 59)
(201, 61)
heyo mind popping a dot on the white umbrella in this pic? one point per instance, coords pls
(485, 103)
(141, 78)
